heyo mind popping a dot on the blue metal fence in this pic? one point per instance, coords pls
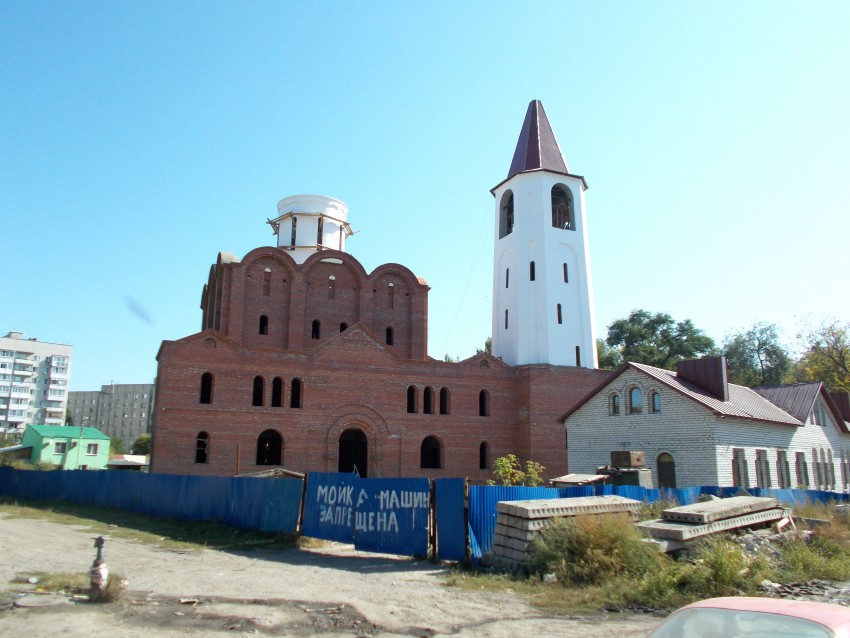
(386, 515)
(450, 497)
(377, 515)
(271, 505)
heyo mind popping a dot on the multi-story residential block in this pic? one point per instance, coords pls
(34, 379)
(121, 411)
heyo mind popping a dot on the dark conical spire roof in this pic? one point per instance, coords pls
(537, 148)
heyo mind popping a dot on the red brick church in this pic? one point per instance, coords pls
(305, 361)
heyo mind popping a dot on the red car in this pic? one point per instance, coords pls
(740, 617)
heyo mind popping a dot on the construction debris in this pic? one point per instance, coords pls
(518, 522)
(694, 522)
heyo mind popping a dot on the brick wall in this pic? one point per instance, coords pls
(700, 442)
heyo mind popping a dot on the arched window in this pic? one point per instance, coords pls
(343, 327)
(259, 387)
(202, 446)
(531, 273)
(277, 392)
(484, 403)
(615, 404)
(444, 401)
(483, 363)
(391, 295)
(269, 448)
(506, 318)
(389, 338)
(560, 318)
(655, 399)
(484, 457)
(635, 401)
(295, 399)
(264, 325)
(578, 357)
(294, 231)
(562, 208)
(331, 287)
(566, 274)
(507, 277)
(316, 329)
(506, 215)
(267, 282)
(206, 388)
(412, 399)
(428, 401)
(319, 228)
(666, 471)
(431, 453)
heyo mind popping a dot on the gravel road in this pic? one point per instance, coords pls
(331, 591)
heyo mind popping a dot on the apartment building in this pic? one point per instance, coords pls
(34, 379)
(119, 410)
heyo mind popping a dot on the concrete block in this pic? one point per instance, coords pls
(684, 531)
(709, 511)
(549, 508)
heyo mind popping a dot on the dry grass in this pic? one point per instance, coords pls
(170, 533)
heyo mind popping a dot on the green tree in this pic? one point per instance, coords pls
(755, 357)
(508, 471)
(488, 346)
(657, 340)
(116, 446)
(69, 418)
(142, 445)
(609, 358)
(826, 355)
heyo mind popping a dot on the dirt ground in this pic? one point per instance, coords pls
(332, 591)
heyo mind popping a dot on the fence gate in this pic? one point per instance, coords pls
(377, 515)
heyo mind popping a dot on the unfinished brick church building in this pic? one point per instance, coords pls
(308, 362)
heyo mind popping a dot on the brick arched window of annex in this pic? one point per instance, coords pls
(635, 401)
(277, 392)
(296, 398)
(431, 453)
(563, 214)
(412, 399)
(484, 403)
(666, 470)
(484, 456)
(615, 404)
(353, 452)
(259, 390)
(264, 325)
(428, 401)
(343, 327)
(316, 329)
(206, 388)
(202, 447)
(506, 214)
(445, 401)
(389, 335)
(269, 448)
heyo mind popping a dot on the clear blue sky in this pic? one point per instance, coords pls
(139, 139)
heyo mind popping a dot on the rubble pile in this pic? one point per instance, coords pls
(679, 526)
(518, 522)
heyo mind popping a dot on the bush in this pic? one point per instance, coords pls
(588, 550)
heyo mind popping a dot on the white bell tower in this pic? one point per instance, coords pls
(542, 289)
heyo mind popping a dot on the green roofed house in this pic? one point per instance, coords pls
(68, 447)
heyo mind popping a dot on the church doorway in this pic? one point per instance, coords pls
(269, 448)
(353, 452)
(666, 470)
